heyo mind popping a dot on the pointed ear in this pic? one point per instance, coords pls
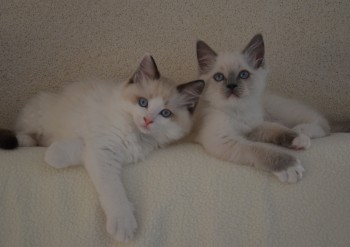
(147, 70)
(206, 57)
(191, 93)
(255, 51)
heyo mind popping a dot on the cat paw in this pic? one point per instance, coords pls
(302, 141)
(55, 159)
(292, 174)
(122, 227)
(64, 153)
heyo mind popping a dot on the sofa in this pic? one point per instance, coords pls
(182, 196)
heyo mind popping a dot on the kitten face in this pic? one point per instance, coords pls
(232, 77)
(158, 107)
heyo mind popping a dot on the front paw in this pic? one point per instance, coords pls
(302, 141)
(291, 174)
(122, 226)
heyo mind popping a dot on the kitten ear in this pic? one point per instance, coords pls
(206, 57)
(147, 70)
(255, 51)
(190, 93)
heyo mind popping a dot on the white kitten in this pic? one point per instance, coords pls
(236, 117)
(106, 125)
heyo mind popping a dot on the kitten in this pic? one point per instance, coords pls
(237, 118)
(106, 125)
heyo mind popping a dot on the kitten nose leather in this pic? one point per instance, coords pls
(231, 86)
(147, 121)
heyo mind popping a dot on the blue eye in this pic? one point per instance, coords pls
(219, 77)
(166, 113)
(244, 74)
(143, 102)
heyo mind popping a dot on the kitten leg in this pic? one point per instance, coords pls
(104, 169)
(296, 115)
(65, 153)
(285, 166)
(280, 135)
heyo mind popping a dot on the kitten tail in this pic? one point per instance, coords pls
(340, 127)
(8, 139)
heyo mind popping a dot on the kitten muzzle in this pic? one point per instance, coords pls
(232, 90)
(148, 121)
(231, 86)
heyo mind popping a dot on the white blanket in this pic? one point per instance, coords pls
(182, 197)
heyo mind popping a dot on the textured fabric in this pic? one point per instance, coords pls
(182, 197)
(47, 44)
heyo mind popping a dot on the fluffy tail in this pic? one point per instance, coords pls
(8, 139)
(340, 127)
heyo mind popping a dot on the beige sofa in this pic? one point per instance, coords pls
(182, 196)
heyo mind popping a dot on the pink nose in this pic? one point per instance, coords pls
(147, 121)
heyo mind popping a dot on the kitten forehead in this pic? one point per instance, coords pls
(231, 62)
(150, 89)
(156, 104)
(157, 101)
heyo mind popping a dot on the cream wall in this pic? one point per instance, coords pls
(46, 44)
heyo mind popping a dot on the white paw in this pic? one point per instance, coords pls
(292, 174)
(122, 227)
(56, 159)
(302, 141)
(64, 153)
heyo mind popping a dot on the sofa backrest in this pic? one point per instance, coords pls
(47, 44)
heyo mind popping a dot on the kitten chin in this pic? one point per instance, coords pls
(144, 129)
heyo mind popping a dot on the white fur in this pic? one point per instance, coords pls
(296, 115)
(64, 153)
(94, 112)
(218, 116)
(95, 123)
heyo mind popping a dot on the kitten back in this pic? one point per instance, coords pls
(8, 139)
